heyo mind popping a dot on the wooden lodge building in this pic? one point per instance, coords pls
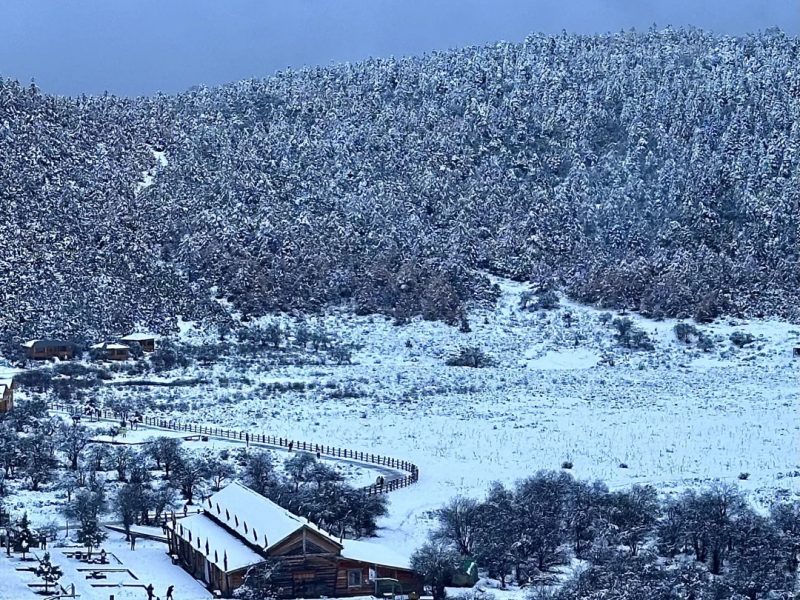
(146, 341)
(46, 349)
(112, 351)
(239, 529)
(6, 395)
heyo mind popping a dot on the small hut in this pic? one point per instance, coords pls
(47, 349)
(112, 351)
(146, 341)
(6, 395)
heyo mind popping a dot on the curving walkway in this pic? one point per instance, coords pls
(397, 473)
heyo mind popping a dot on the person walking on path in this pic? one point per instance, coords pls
(170, 589)
(133, 542)
(149, 590)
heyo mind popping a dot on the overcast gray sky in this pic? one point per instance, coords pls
(137, 47)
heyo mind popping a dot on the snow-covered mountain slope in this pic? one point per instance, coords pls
(655, 171)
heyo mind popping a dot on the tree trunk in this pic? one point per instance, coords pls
(716, 561)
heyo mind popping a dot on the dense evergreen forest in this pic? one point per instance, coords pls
(654, 171)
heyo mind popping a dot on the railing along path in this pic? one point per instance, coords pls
(410, 471)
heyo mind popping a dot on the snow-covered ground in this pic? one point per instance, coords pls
(561, 390)
(675, 416)
(126, 575)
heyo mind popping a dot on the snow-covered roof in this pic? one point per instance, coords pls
(109, 346)
(370, 552)
(47, 342)
(256, 518)
(5, 383)
(263, 524)
(204, 530)
(138, 337)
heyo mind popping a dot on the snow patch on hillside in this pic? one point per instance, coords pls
(149, 176)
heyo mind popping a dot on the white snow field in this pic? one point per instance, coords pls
(560, 390)
(675, 416)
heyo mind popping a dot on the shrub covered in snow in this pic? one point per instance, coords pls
(740, 339)
(470, 356)
(630, 336)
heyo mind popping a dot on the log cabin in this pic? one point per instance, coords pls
(146, 341)
(46, 349)
(112, 351)
(239, 529)
(6, 395)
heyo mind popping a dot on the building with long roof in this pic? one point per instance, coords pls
(46, 349)
(240, 529)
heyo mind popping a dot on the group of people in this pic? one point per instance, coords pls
(94, 413)
(90, 411)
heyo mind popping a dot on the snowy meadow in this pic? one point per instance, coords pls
(560, 389)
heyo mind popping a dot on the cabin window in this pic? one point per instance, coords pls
(354, 578)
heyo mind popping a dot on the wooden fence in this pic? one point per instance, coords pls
(390, 483)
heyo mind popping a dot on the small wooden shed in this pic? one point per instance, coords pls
(146, 341)
(46, 349)
(112, 351)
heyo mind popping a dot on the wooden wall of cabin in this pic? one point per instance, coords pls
(408, 580)
(7, 401)
(309, 576)
(48, 352)
(309, 563)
